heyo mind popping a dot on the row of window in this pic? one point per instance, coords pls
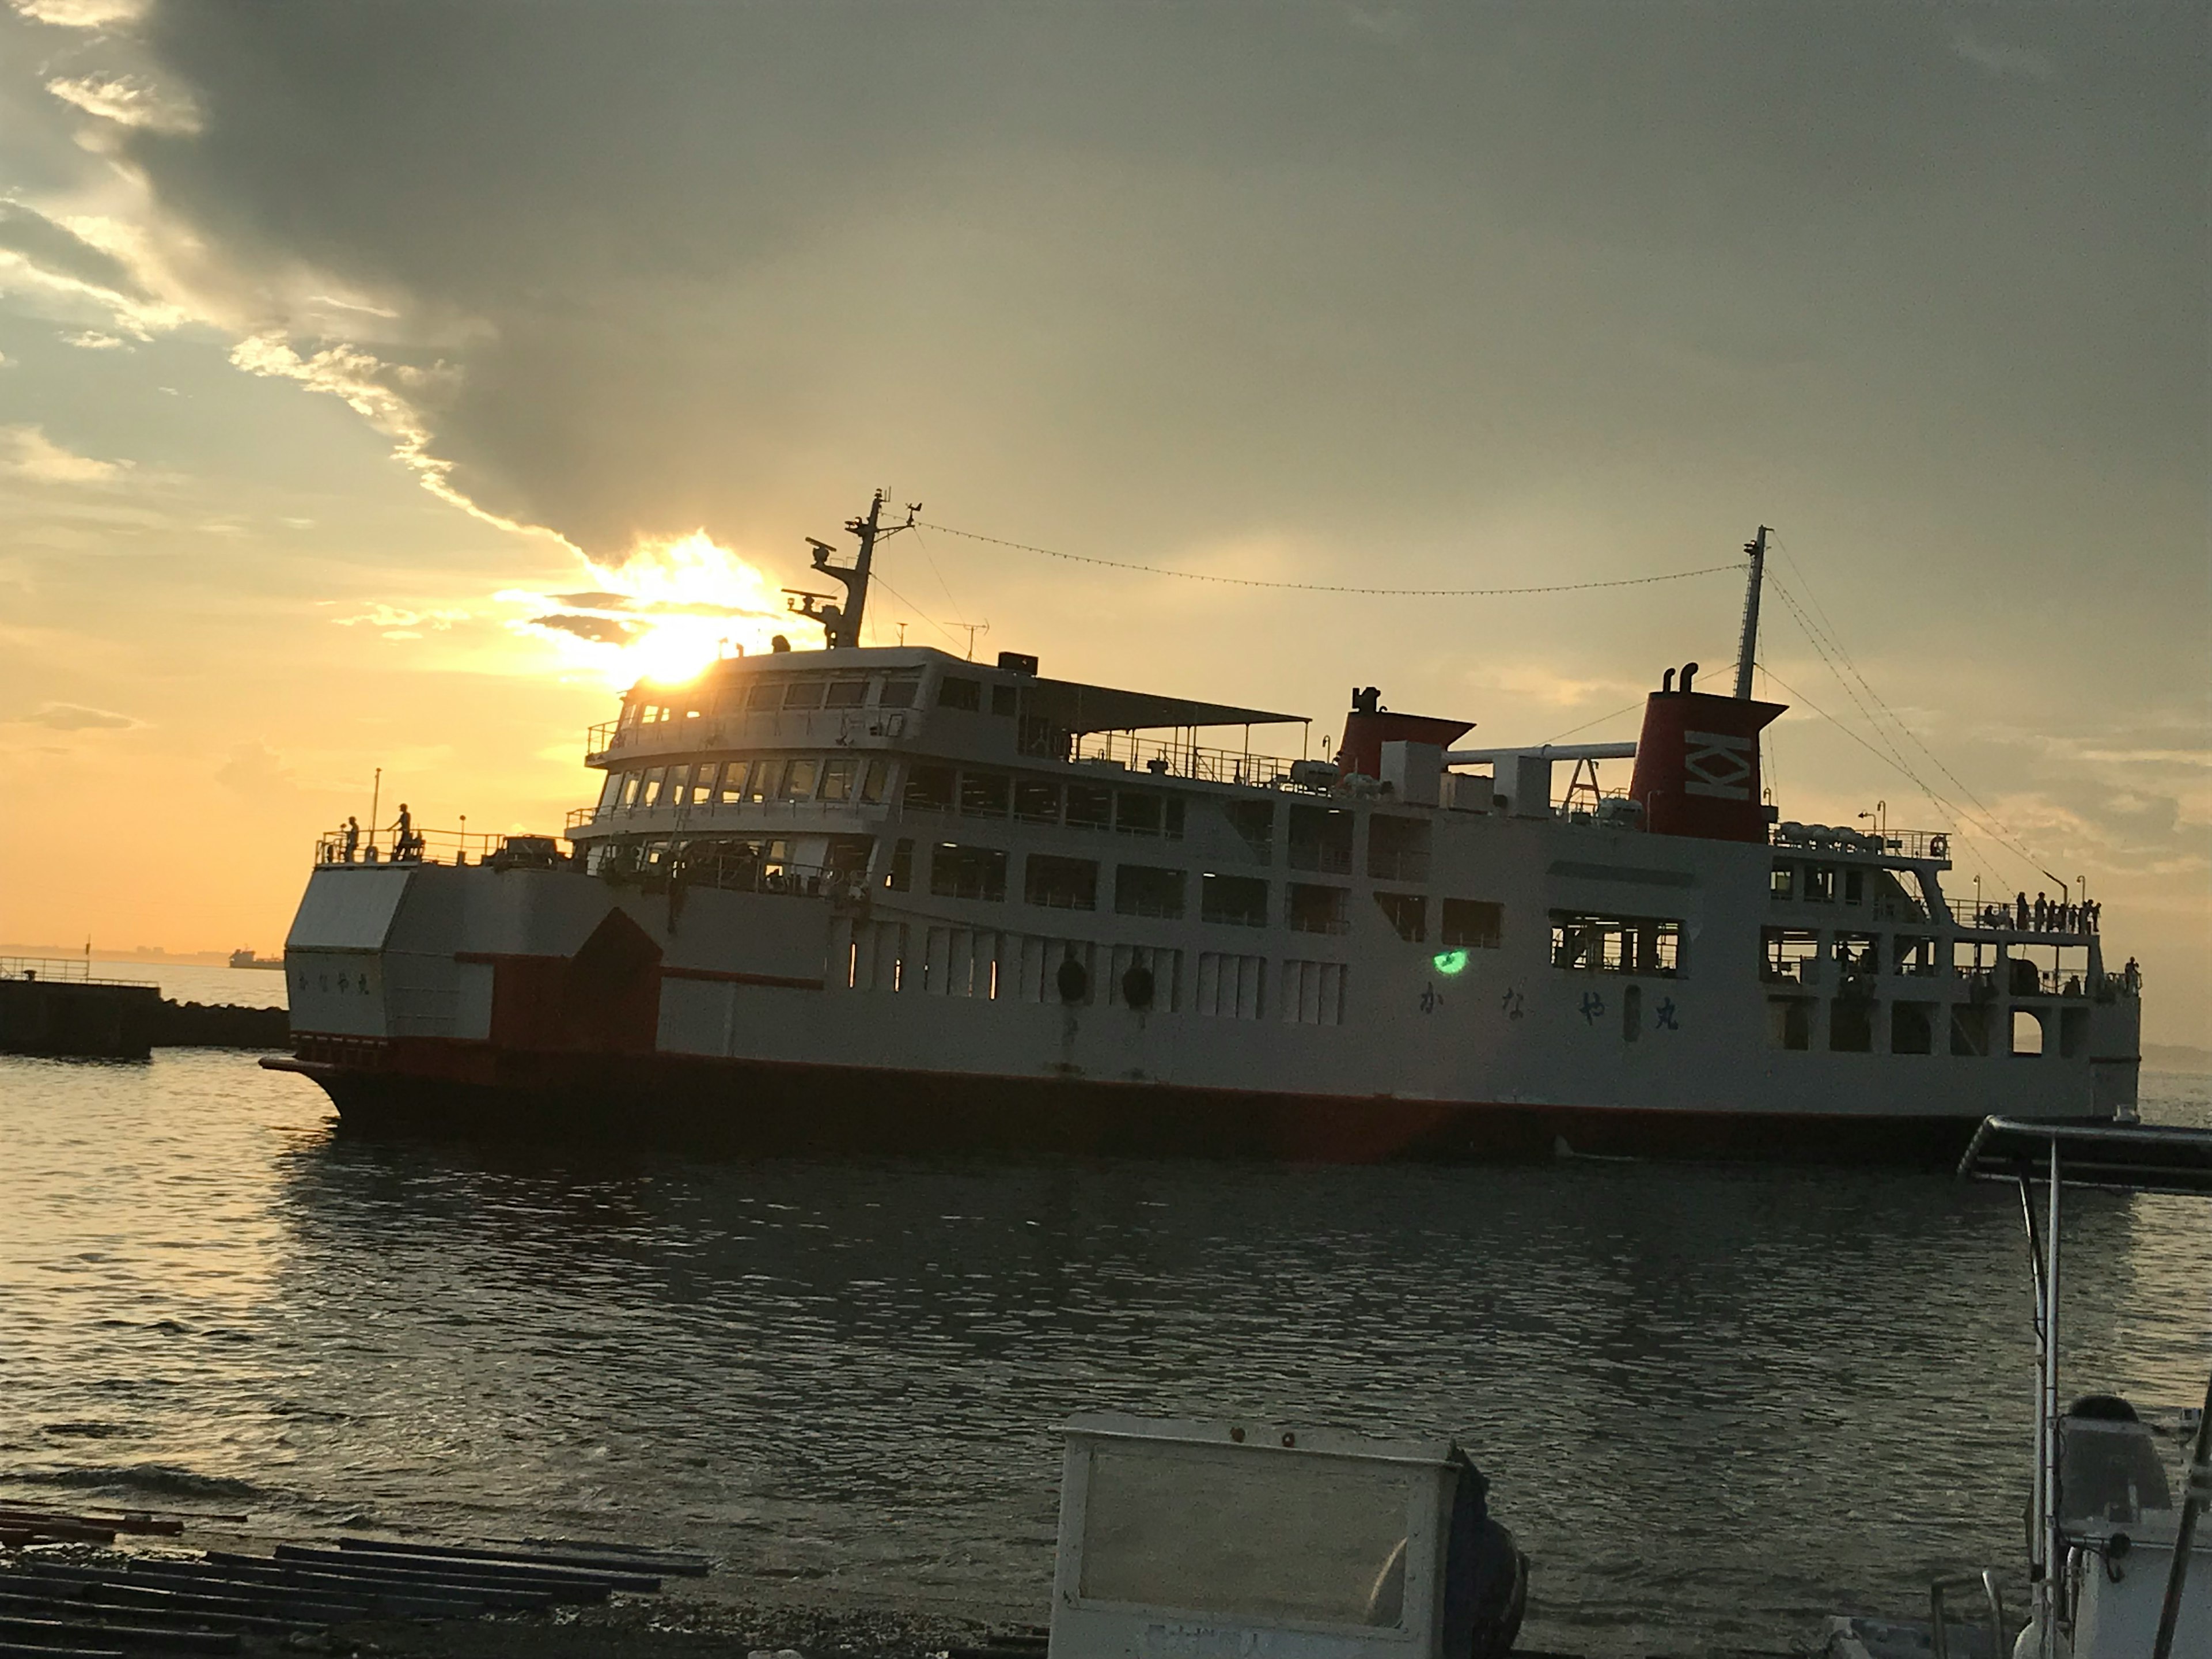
(1053, 882)
(984, 795)
(1972, 1027)
(774, 693)
(1598, 943)
(1027, 968)
(741, 782)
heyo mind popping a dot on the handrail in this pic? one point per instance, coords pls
(437, 846)
(1992, 1596)
(1990, 917)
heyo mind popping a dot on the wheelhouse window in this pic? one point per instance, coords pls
(804, 694)
(648, 792)
(1144, 889)
(1397, 848)
(798, 778)
(1407, 912)
(1254, 821)
(966, 872)
(1237, 901)
(957, 691)
(984, 795)
(765, 695)
(733, 782)
(631, 783)
(846, 694)
(875, 778)
(1090, 806)
(837, 773)
(704, 779)
(1597, 943)
(1316, 910)
(1060, 883)
(898, 692)
(767, 780)
(1036, 801)
(929, 789)
(1320, 839)
(1473, 924)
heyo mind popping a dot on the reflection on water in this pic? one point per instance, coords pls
(1713, 1403)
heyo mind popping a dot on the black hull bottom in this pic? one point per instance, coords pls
(754, 1110)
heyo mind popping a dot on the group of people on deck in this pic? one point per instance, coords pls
(2044, 915)
(406, 839)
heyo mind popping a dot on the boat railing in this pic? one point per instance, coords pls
(439, 847)
(1162, 757)
(65, 970)
(1993, 918)
(734, 866)
(1931, 844)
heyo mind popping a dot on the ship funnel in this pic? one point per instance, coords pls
(1696, 764)
(1370, 726)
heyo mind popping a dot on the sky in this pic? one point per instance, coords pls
(368, 374)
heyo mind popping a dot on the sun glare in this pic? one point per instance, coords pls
(663, 612)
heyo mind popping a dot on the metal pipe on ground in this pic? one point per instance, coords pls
(612, 1558)
(183, 1619)
(505, 1598)
(498, 1592)
(53, 1631)
(25, 1650)
(387, 1601)
(554, 1578)
(92, 1586)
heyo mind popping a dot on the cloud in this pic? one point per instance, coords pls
(91, 339)
(255, 769)
(129, 101)
(600, 631)
(399, 622)
(2003, 61)
(63, 257)
(81, 14)
(28, 453)
(74, 717)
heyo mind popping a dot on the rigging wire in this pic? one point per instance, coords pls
(1324, 587)
(876, 577)
(1982, 817)
(1600, 720)
(1934, 800)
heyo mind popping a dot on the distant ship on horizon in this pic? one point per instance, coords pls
(245, 959)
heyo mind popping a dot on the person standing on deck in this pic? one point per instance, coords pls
(352, 838)
(2020, 911)
(402, 841)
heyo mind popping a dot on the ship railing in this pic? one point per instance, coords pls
(1994, 918)
(439, 847)
(1327, 860)
(729, 867)
(1931, 844)
(1162, 757)
(66, 970)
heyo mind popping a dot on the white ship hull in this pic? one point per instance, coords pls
(529, 1000)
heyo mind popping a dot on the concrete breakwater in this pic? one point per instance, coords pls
(68, 1012)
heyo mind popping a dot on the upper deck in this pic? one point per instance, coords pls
(916, 697)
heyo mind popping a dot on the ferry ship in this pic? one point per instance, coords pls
(885, 900)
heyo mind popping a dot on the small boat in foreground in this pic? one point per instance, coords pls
(2118, 1565)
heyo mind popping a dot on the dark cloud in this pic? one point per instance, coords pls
(683, 260)
(603, 630)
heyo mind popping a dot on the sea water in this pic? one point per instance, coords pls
(1714, 1403)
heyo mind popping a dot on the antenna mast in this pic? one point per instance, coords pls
(1749, 650)
(841, 623)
